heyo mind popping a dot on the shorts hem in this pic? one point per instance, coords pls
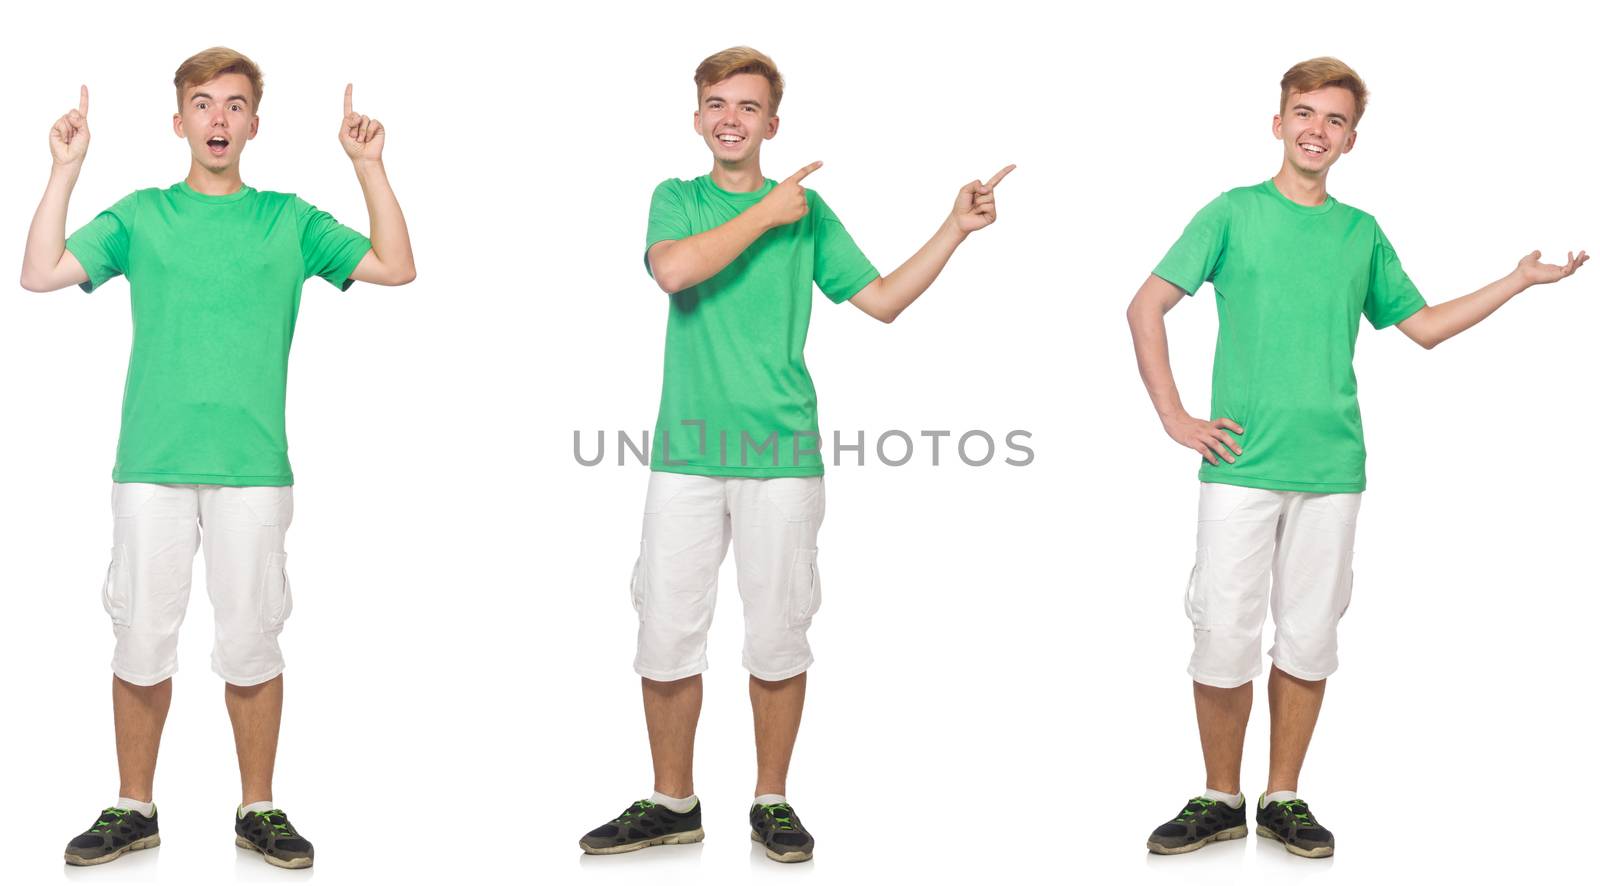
(248, 681)
(142, 680)
(1302, 673)
(683, 673)
(1223, 682)
(775, 676)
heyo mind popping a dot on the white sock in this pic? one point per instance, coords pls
(679, 805)
(1234, 801)
(768, 799)
(144, 809)
(258, 806)
(1279, 797)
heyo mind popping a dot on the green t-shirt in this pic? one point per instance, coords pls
(214, 284)
(1292, 283)
(736, 399)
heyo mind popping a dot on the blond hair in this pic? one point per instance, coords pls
(738, 60)
(209, 64)
(1321, 73)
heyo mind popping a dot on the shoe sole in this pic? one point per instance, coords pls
(789, 857)
(1314, 852)
(693, 836)
(149, 842)
(1238, 832)
(292, 864)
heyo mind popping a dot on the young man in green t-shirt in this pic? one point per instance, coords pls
(736, 453)
(1294, 270)
(215, 270)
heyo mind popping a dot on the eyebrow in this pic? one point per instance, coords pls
(1307, 107)
(744, 101)
(231, 98)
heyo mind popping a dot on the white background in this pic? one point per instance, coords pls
(1000, 687)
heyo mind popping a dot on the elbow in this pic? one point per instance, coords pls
(669, 283)
(405, 275)
(886, 316)
(32, 282)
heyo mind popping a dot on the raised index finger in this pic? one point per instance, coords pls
(83, 100)
(805, 171)
(1000, 175)
(347, 89)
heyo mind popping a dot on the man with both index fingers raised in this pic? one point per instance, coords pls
(215, 270)
(736, 453)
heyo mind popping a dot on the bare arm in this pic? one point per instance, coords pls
(389, 262)
(1147, 319)
(677, 265)
(884, 298)
(1435, 323)
(46, 263)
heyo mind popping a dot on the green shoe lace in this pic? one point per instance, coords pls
(1190, 811)
(782, 815)
(281, 827)
(108, 817)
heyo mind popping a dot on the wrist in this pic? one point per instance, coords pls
(367, 165)
(952, 229)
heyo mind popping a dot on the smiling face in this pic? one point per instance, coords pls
(1316, 128)
(217, 118)
(734, 117)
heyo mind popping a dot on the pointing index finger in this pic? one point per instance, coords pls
(805, 171)
(1000, 175)
(348, 87)
(83, 100)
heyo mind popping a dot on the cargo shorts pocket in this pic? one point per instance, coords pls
(1194, 598)
(116, 595)
(805, 588)
(277, 601)
(636, 584)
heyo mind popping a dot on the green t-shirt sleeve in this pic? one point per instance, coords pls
(330, 250)
(101, 246)
(1391, 296)
(668, 219)
(838, 265)
(1200, 250)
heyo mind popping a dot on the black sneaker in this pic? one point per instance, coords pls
(271, 834)
(775, 826)
(1200, 822)
(116, 831)
(644, 824)
(1290, 822)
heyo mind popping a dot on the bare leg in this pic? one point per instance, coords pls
(1295, 704)
(1223, 716)
(671, 713)
(139, 713)
(256, 712)
(776, 706)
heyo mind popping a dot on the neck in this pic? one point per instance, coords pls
(213, 184)
(1307, 189)
(739, 179)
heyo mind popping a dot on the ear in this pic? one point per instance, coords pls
(255, 123)
(1277, 126)
(772, 126)
(177, 125)
(697, 123)
(1350, 141)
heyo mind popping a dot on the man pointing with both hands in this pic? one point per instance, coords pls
(736, 455)
(214, 270)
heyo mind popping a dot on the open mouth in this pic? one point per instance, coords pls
(730, 138)
(217, 145)
(1312, 150)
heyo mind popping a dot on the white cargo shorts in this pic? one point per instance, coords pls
(157, 530)
(689, 522)
(1263, 547)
